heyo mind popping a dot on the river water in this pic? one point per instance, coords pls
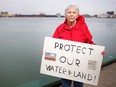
(21, 42)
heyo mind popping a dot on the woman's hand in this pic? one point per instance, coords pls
(103, 53)
(42, 51)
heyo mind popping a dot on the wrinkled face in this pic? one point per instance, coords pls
(71, 14)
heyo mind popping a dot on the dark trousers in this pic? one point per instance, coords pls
(67, 83)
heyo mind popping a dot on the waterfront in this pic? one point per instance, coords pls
(21, 42)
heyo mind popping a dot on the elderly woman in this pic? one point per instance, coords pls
(73, 28)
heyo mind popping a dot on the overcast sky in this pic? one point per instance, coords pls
(56, 6)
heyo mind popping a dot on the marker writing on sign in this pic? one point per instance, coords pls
(69, 61)
(73, 48)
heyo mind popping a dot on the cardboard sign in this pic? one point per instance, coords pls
(72, 60)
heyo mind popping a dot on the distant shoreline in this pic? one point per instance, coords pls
(49, 16)
(54, 17)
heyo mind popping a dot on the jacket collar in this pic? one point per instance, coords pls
(80, 20)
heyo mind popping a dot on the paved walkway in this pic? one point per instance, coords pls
(107, 77)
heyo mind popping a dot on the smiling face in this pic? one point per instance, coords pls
(71, 13)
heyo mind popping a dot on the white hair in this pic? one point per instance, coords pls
(72, 6)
